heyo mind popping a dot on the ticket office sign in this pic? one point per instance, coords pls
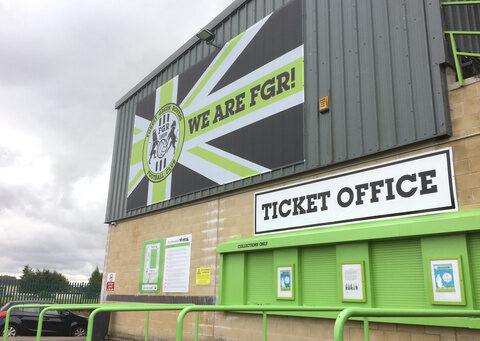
(416, 185)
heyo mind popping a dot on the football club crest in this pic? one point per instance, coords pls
(163, 142)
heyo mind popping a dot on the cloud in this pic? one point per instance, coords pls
(64, 64)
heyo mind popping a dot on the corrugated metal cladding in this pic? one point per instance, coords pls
(463, 18)
(380, 61)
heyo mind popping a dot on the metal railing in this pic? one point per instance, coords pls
(344, 314)
(381, 312)
(9, 310)
(132, 307)
(264, 309)
(452, 34)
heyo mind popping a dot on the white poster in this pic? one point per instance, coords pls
(414, 185)
(352, 282)
(176, 273)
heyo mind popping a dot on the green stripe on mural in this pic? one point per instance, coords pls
(137, 150)
(136, 131)
(222, 162)
(166, 94)
(252, 97)
(159, 191)
(213, 69)
(135, 179)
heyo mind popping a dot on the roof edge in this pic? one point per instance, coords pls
(217, 20)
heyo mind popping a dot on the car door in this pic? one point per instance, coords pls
(28, 318)
(54, 322)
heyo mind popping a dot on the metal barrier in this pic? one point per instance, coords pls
(457, 53)
(342, 318)
(240, 308)
(7, 316)
(65, 307)
(132, 307)
(381, 312)
(452, 39)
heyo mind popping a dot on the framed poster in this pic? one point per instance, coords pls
(151, 266)
(176, 274)
(446, 281)
(285, 282)
(353, 282)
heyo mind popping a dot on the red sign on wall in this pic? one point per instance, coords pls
(111, 281)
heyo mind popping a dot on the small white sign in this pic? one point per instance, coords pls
(176, 273)
(352, 282)
(111, 281)
(415, 185)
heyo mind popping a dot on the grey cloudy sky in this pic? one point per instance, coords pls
(63, 65)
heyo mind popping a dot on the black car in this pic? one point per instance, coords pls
(24, 321)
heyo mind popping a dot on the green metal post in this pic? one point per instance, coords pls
(380, 312)
(146, 325)
(62, 307)
(264, 326)
(455, 3)
(129, 307)
(366, 332)
(197, 313)
(7, 316)
(239, 308)
(455, 58)
(454, 47)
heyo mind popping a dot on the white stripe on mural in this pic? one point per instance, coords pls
(134, 169)
(205, 168)
(225, 65)
(142, 124)
(234, 158)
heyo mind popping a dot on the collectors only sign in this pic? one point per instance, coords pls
(233, 115)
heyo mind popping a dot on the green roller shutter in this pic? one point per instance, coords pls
(318, 276)
(474, 251)
(397, 273)
(260, 284)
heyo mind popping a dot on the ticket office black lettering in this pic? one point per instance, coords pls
(374, 192)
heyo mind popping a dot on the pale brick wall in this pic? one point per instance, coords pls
(231, 216)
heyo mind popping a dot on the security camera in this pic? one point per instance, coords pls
(113, 223)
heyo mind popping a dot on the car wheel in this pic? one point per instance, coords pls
(12, 331)
(79, 331)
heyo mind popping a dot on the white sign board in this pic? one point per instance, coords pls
(111, 281)
(352, 282)
(415, 185)
(176, 273)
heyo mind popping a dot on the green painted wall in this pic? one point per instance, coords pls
(396, 269)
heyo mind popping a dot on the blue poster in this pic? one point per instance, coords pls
(285, 280)
(444, 281)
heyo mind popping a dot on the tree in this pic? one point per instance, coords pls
(42, 282)
(27, 274)
(95, 278)
(44, 275)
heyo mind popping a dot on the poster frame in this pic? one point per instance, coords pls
(160, 265)
(363, 282)
(285, 294)
(457, 274)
